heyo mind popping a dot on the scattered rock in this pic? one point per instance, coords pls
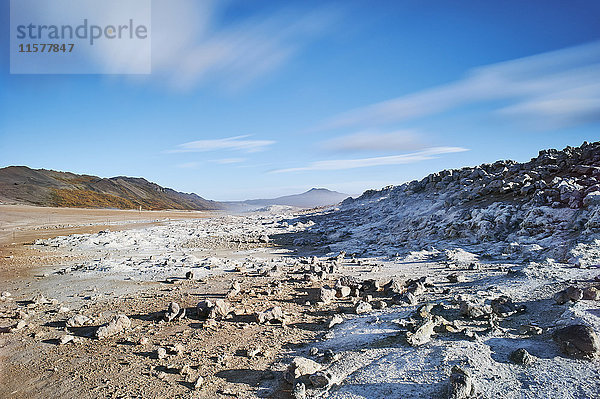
(274, 316)
(320, 379)
(199, 382)
(530, 329)
(343, 291)
(116, 325)
(65, 339)
(472, 310)
(572, 293)
(407, 298)
(172, 311)
(503, 306)
(78, 320)
(521, 356)
(461, 384)
(299, 367)
(220, 309)
(336, 319)
(234, 290)
(578, 340)
(591, 294)
(456, 278)
(253, 352)
(362, 307)
(161, 353)
(299, 391)
(422, 334)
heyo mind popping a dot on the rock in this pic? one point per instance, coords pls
(220, 309)
(456, 278)
(204, 307)
(336, 319)
(325, 295)
(78, 320)
(192, 275)
(274, 316)
(422, 334)
(330, 356)
(578, 340)
(471, 310)
(379, 304)
(572, 293)
(503, 306)
(521, 356)
(299, 391)
(143, 341)
(530, 329)
(362, 307)
(115, 326)
(234, 290)
(343, 291)
(320, 379)
(314, 351)
(591, 294)
(171, 312)
(395, 287)
(253, 352)
(161, 353)
(65, 339)
(199, 382)
(299, 367)
(407, 298)
(461, 384)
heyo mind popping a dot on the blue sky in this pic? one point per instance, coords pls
(258, 98)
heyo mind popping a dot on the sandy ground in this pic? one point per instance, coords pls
(140, 269)
(21, 225)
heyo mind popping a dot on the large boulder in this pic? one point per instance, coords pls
(578, 340)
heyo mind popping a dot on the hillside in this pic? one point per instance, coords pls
(312, 198)
(548, 207)
(20, 184)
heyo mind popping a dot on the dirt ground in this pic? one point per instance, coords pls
(34, 365)
(139, 272)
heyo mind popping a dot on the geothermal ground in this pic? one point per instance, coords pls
(186, 305)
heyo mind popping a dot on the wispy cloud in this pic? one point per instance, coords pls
(188, 165)
(399, 140)
(341, 164)
(562, 85)
(227, 161)
(237, 143)
(191, 46)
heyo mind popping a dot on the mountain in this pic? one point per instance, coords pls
(312, 198)
(547, 208)
(43, 187)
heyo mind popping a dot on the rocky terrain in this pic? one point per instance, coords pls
(546, 208)
(22, 185)
(371, 300)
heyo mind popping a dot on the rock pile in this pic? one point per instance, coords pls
(533, 210)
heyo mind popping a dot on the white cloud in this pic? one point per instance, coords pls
(400, 140)
(227, 161)
(237, 143)
(564, 80)
(191, 46)
(341, 164)
(188, 165)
